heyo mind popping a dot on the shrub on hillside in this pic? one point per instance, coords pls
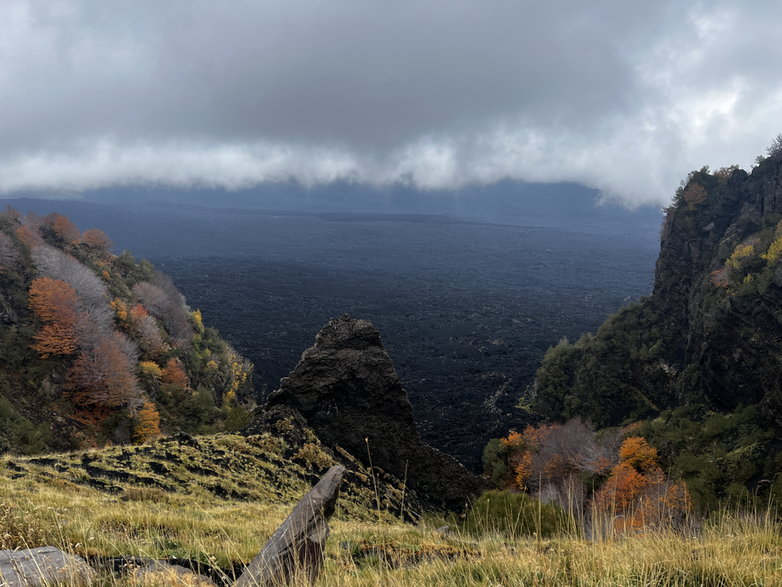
(720, 456)
(515, 515)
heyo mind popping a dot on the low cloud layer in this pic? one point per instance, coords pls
(626, 97)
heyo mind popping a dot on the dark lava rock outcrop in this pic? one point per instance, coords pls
(346, 389)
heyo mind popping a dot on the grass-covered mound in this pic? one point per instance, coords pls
(516, 515)
(259, 469)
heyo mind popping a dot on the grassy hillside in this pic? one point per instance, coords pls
(96, 347)
(214, 501)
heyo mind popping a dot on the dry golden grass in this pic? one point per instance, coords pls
(148, 522)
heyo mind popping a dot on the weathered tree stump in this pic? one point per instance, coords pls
(295, 550)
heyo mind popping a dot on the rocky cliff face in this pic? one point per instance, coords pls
(719, 279)
(346, 389)
(711, 332)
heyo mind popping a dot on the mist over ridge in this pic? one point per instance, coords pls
(439, 95)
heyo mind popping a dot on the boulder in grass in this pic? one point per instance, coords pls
(46, 565)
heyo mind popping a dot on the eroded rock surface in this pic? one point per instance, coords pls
(347, 390)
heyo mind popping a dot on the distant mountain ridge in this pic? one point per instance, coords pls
(566, 205)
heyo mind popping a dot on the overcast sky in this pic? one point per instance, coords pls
(624, 96)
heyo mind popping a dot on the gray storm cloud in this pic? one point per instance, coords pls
(626, 97)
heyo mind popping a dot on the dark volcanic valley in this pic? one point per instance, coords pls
(466, 311)
(466, 307)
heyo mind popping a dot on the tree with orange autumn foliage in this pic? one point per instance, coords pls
(147, 423)
(62, 227)
(57, 264)
(54, 303)
(638, 453)
(137, 312)
(96, 239)
(29, 236)
(175, 380)
(638, 494)
(549, 454)
(103, 375)
(622, 489)
(519, 448)
(524, 446)
(561, 462)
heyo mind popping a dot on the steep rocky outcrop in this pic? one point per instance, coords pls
(346, 389)
(726, 301)
(710, 333)
(700, 360)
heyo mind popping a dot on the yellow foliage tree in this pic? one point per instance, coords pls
(147, 424)
(740, 253)
(150, 368)
(774, 251)
(198, 320)
(120, 309)
(240, 372)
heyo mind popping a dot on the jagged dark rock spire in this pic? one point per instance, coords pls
(346, 388)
